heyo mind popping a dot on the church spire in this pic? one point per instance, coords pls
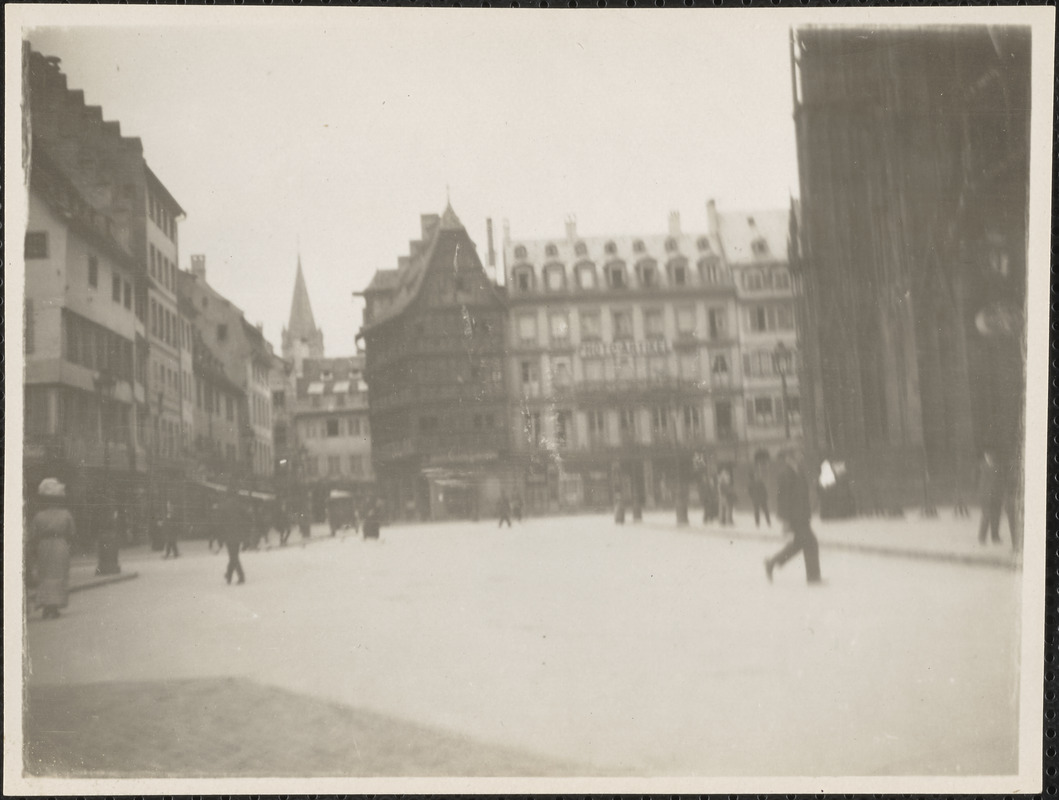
(301, 337)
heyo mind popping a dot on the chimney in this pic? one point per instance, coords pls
(491, 254)
(571, 227)
(674, 223)
(712, 224)
(198, 267)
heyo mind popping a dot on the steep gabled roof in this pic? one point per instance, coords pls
(302, 325)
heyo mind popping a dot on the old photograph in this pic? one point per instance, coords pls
(441, 400)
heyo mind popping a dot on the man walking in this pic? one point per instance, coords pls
(793, 509)
(231, 524)
(171, 530)
(759, 495)
(505, 511)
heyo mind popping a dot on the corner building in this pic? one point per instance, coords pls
(434, 346)
(634, 360)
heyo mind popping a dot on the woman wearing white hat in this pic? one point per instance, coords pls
(51, 531)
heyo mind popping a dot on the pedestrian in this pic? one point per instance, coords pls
(505, 510)
(759, 496)
(282, 522)
(50, 532)
(232, 524)
(170, 530)
(725, 497)
(708, 495)
(619, 508)
(517, 508)
(303, 522)
(373, 519)
(991, 497)
(793, 509)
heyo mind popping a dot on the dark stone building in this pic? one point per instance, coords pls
(434, 344)
(911, 254)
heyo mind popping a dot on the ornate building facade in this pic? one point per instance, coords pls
(433, 333)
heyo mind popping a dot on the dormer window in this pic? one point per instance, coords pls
(554, 277)
(703, 244)
(585, 273)
(616, 275)
(523, 278)
(647, 273)
(710, 270)
(610, 248)
(671, 245)
(551, 251)
(520, 251)
(581, 249)
(638, 246)
(678, 272)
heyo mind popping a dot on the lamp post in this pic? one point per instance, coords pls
(107, 546)
(781, 360)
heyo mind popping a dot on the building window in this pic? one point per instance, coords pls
(356, 465)
(722, 413)
(334, 465)
(128, 295)
(770, 318)
(759, 411)
(93, 272)
(115, 288)
(678, 273)
(559, 327)
(554, 278)
(524, 279)
(551, 250)
(718, 323)
(627, 424)
(581, 249)
(527, 328)
(563, 428)
(686, 321)
(720, 365)
(597, 426)
(529, 373)
(229, 408)
(703, 244)
(586, 275)
(354, 426)
(520, 251)
(671, 245)
(531, 426)
(647, 273)
(660, 421)
(794, 409)
(692, 420)
(591, 330)
(710, 270)
(638, 246)
(37, 244)
(560, 372)
(332, 428)
(654, 324)
(782, 279)
(622, 324)
(616, 275)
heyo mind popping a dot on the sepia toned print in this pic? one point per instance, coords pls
(380, 434)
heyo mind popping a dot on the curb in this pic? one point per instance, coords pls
(104, 580)
(856, 547)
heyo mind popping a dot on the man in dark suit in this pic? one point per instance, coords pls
(232, 530)
(793, 509)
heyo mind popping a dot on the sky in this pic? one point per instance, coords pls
(329, 136)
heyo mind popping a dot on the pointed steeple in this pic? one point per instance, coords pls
(449, 220)
(301, 322)
(301, 337)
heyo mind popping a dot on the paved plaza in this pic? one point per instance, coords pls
(564, 646)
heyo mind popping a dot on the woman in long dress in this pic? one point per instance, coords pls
(51, 531)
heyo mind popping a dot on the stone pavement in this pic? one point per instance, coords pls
(232, 727)
(639, 650)
(941, 538)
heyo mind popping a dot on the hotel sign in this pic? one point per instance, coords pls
(650, 347)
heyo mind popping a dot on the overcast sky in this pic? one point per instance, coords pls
(340, 129)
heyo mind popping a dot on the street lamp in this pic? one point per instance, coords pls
(781, 360)
(107, 546)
